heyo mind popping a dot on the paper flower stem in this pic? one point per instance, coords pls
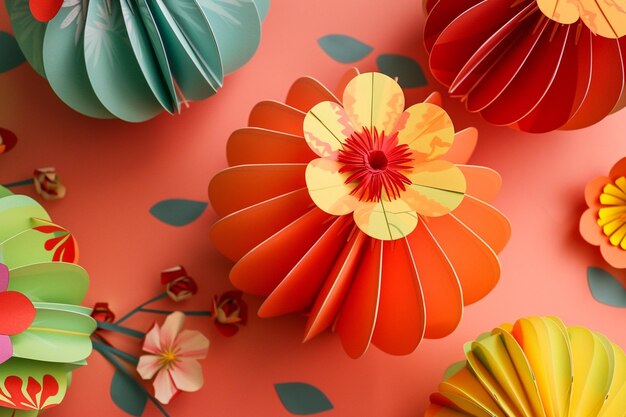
(137, 309)
(121, 329)
(133, 360)
(121, 368)
(187, 313)
(27, 181)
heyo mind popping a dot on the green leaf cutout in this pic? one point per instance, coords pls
(10, 53)
(407, 70)
(178, 212)
(302, 399)
(343, 48)
(605, 288)
(127, 394)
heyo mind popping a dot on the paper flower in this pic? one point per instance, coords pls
(536, 367)
(530, 64)
(277, 222)
(229, 311)
(177, 284)
(7, 140)
(132, 60)
(604, 222)
(173, 355)
(102, 312)
(44, 332)
(48, 184)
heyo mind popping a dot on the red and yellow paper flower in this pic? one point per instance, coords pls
(535, 65)
(604, 222)
(360, 213)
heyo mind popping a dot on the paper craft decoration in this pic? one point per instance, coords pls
(44, 332)
(172, 358)
(535, 65)
(536, 367)
(604, 222)
(373, 224)
(133, 59)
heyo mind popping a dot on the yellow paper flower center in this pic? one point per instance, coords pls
(612, 214)
(168, 357)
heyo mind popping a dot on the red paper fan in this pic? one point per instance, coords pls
(507, 60)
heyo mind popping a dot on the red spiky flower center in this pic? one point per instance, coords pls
(375, 162)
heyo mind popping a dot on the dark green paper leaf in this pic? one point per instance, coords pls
(343, 48)
(407, 70)
(302, 399)
(127, 394)
(178, 212)
(605, 288)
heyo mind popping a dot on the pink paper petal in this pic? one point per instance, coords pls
(4, 277)
(152, 341)
(148, 366)
(187, 375)
(164, 388)
(192, 344)
(171, 328)
(6, 348)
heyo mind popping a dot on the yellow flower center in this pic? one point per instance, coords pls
(612, 214)
(168, 357)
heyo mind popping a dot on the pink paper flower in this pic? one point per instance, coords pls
(173, 356)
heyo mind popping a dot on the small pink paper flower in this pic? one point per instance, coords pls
(48, 184)
(229, 311)
(173, 356)
(178, 285)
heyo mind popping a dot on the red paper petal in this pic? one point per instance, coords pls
(16, 313)
(45, 10)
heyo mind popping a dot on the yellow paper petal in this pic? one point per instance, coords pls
(427, 129)
(606, 18)
(374, 100)
(326, 127)
(616, 397)
(327, 187)
(437, 188)
(385, 220)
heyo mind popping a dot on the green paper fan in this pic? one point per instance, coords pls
(43, 288)
(132, 59)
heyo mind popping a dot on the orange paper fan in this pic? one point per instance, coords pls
(535, 65)
(372, 225)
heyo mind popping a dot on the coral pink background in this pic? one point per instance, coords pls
(116, 171)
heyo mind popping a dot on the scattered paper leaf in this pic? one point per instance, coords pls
(178, 212)
(10, 52)
(128, 395)
(302, 399)
(407, 70)
(605, 288)
(343, 48)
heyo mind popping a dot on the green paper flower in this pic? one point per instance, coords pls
(41, 288)
(132, 60)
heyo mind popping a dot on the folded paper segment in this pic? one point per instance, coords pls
(322, 259)
(132, 60)
(41, 289)
(519, 68)
(536, 368)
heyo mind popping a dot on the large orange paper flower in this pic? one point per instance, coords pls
(535, 65)
(307, 228)
(604, 222)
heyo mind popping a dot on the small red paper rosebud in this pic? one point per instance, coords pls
(102, 312)
(7, 140)
(229, 311)
(178, 285)
(48, 183)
